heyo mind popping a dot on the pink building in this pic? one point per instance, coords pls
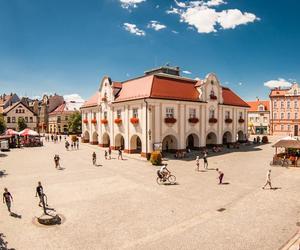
(284, 118)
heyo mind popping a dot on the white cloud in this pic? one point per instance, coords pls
(175, 32)
(156, 25)
(73, 98)
(240, 83)
(126, 4)
(278, 83)
(206, 19)
(187, 72)
(133, 29)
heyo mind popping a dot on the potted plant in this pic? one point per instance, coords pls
(134, 120)
(170, 120)
(213, 97)
(104, 99)
(85, 121)
(118, 121)
(213, 120)
(228, 120)
(241, 120)
(193, 120)
(104, 121)
(94, 121)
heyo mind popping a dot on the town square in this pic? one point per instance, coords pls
(149, 124)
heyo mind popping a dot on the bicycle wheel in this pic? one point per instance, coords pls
(172, 179)
(159, 181)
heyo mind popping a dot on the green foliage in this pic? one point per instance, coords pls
(74, 123)
(156, 158)
(21, 124)
(2, 124)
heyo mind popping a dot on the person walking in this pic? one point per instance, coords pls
(221, 176)
(59, 138)
(67, 144)
(197, 163)
(56, 161)
(105, 155)
(205, 160)
(77, 144)
(39, 192)
(94, 158)
(109, 153)
(7, 198)
(120, 154)
(268, 181)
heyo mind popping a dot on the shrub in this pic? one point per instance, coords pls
(265, 139)
(156, 158)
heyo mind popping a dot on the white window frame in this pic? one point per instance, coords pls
(192, 113)
(170, 112)
(135, 113)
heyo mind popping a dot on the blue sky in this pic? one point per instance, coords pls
(67, 46)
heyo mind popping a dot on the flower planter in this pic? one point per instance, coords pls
(193, 120)
(85, 121)
(213, 120)
(104, 121)
(241, 120)
(213, 97)
(118, 121)
(94, 121)
(134, 120)
(104, 99)
(170, 120)
(228, 120)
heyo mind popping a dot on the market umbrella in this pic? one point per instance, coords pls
(28, 132)
(11, 132)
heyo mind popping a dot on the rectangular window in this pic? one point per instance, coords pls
(288, 104)
(296, 115)
(265, 119)
(105, 115)
(296, 104)
(241, 115)
(58, 119)
(282, 116)
(94, 115)
(289, 127)
(13, 119)
(289, 115)
(26, 119)
(256, 119)
(17, 111)
(86, 116)
(227, 115)
(275, 104)
(119, 112)
(8, 119)
(170, 112)
(281, 127)
(281, 104)
(275, 116)
(31, 119)
(192, 113)
(66, 118)
(135, 113)
(212, 113)
(251, 119)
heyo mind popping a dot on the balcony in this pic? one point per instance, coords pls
(193, 120)
(170, 120)
(228, 120)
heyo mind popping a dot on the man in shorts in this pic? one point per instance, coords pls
(39, 192)
(7, 198)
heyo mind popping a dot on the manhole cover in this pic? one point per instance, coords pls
(222, 209)
(298, 224)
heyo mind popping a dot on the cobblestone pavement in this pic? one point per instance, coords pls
(120, 206)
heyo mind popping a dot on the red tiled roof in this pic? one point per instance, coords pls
(93, 101)
(254, 105)
(230, 98)
(117, 85)
(66, 107)
(278, 92)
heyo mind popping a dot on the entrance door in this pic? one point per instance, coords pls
(296, 130)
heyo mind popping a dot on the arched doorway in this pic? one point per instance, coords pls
(192, 142)
(119, 142)
(169, 143)
(211, 139)
(135, 145)
(105, 140)
(227, 137)
(240, 136)
(86, 137)
(95, 138)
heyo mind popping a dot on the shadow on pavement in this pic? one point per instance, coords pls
(3, 174)
(3, 243)
(3, 155)
(18, 216)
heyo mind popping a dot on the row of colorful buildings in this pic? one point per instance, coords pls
(50, 114)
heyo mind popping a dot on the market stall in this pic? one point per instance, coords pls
(30, 138)
(289, 154)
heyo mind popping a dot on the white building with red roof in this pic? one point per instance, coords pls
(163, 109)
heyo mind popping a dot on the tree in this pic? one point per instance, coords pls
(74, 123)
(21, 124)
(2, 124)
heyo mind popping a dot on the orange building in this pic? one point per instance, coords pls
(285, 111)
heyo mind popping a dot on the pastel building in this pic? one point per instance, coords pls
(285, 110)
(162, 110)
(259, 117)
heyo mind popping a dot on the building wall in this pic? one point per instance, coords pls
(152, 128)
(258, 120)
(58, 123)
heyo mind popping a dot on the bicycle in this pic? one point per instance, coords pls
(170, 178)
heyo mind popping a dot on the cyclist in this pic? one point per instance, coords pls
(164, 172)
